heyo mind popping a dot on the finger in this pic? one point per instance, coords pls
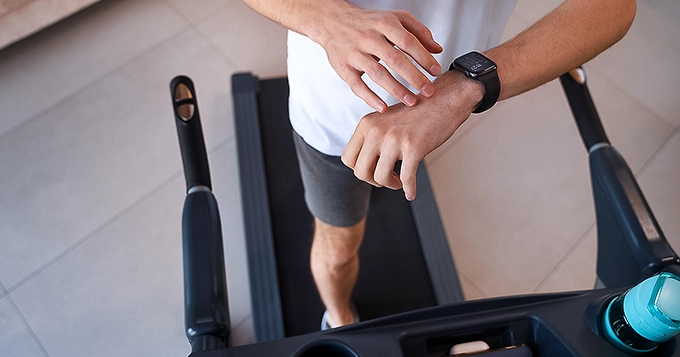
(384, 169)
(409, 167)
(417, 41)
(353, 78)
(351, 152)
(382, 77)
(398, 61)
(366, 162)
(408, 43)
(420, 31)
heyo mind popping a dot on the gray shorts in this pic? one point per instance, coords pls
(332, 192)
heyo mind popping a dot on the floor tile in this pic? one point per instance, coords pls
(253, 42)
(638, 63)
(577, 270)
(44, 69)
(15, 339)
(195, 10)
(75, 167)
(632, 129)
(516, 24)
(126, 281)
(651, 43)
(470, 290)
(514, 193)
(123, 284)
(531, 11)
(659, 183)
(243, 334)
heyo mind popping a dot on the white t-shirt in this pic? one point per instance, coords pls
(323, 109)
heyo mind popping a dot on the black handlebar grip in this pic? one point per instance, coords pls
(191, 142)
(583, 108)
(206, 310)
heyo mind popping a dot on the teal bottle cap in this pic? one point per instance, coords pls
(668, 299)
(652, 307)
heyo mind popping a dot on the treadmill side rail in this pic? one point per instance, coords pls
(264, 286)
(434, 244)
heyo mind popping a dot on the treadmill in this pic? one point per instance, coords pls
(424, 321)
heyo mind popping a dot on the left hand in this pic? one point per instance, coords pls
(410, 133)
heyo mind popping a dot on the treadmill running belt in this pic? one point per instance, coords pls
(393, 276)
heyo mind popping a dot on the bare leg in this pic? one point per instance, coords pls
(335, 266)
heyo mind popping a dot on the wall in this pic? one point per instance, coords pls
(21, 18)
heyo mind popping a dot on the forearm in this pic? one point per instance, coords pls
(569, 36)
(572, 34)
(307, 17)
(357, 40)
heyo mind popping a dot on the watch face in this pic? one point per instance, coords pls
(475, 64)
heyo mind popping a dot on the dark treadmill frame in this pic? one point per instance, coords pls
(267, 311)
(631, 247)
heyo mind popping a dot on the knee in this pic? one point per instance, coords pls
(338, 260)
(338, 246)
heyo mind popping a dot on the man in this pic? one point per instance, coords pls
(333, 43)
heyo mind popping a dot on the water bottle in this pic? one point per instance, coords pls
(646, 315)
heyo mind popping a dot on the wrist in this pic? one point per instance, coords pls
(328, 17)
(483, 70)
(459, 92)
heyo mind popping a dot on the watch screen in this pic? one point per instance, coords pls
(475, 63)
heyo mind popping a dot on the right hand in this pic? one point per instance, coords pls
(410, 133)
(357, 39)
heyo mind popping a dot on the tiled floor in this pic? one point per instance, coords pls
(90, 256)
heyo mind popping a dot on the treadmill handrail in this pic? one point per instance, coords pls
(190, 133)
(206, 309)
(631, 245)
(583, 108)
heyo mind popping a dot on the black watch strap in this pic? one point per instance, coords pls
(492, 89)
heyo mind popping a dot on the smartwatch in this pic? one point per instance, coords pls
(479, 67)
